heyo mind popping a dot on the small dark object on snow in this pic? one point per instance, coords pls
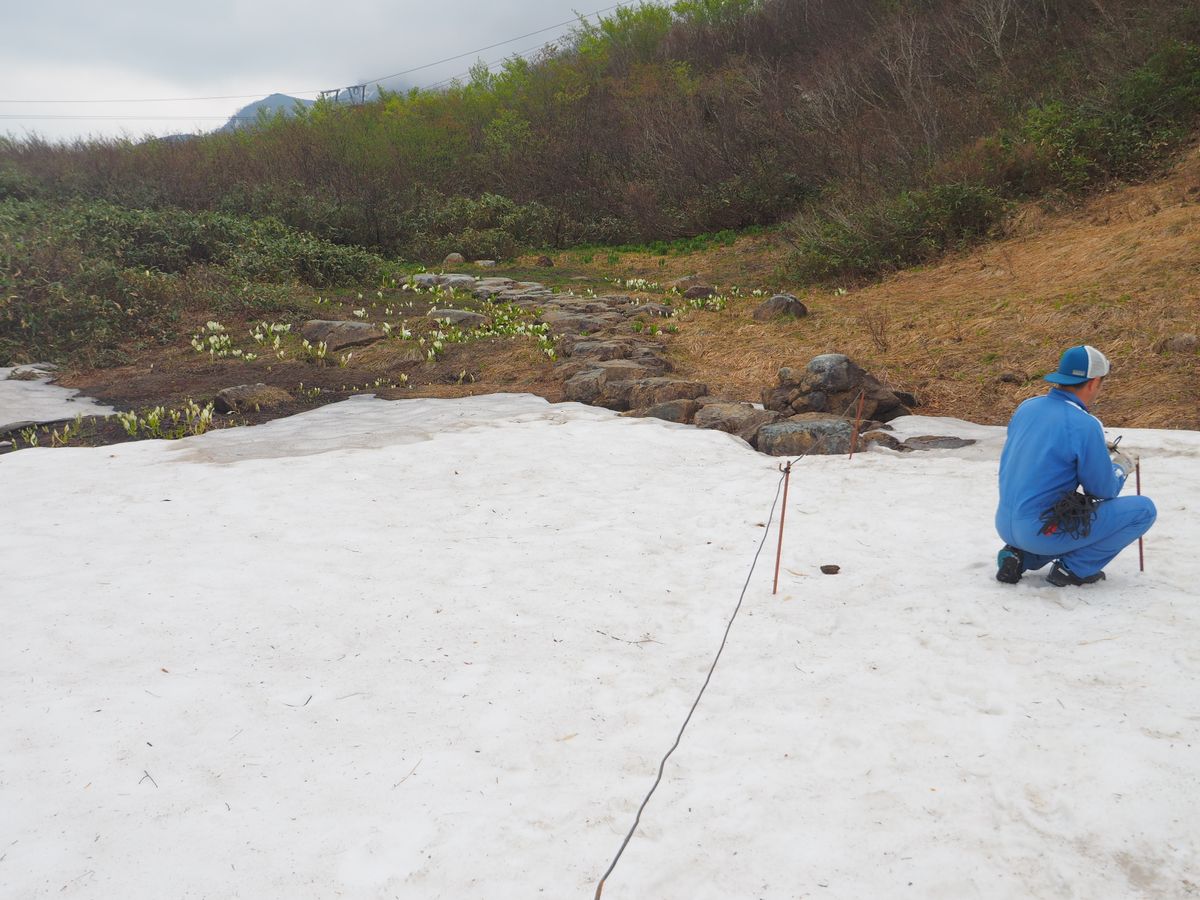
(830, 570)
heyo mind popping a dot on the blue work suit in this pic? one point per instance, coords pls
(1055, 445)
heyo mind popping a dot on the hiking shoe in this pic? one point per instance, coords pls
(1061, 576)
(1010, 562)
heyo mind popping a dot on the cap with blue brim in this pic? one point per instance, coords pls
(1079, 364)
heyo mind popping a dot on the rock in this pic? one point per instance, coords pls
(832, 373)
(486, 263)
(687, 281)
(26, 373)
(936, 442)
(427, 280)
(561, 321)
(250, 397)
(338, 335)
(459, 282)
(585, 386)
(830, 569)
(453, 259)
(741, 419)
(883, 439)
(544, 262)
(831, 383)
(463, 318)
(681, 411)
(780, 305)
(909, 400)
(648, 392)
(699, 292)
(602, 351)
(817, 435)
(609, 383)
(1180, 343)
(632, 369)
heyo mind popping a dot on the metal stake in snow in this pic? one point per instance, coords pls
(787, 477)
(1137, 469)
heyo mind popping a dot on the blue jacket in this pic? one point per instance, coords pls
(1054, 445)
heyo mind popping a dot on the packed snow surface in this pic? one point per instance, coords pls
(39, 401)
(436, 649)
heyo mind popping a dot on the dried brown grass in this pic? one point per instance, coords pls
(1122, 273)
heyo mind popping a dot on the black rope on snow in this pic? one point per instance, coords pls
(662, 765)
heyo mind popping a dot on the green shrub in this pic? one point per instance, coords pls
(87, 280)
(1122, 133)
(911, 228)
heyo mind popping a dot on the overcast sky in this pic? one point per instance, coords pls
(132, 49)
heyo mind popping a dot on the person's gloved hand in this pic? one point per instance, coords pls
(1121, 461)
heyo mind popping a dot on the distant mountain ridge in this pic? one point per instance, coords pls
(247, 116)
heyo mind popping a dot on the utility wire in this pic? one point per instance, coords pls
(319, 90)
(527, 53)
(490, 46)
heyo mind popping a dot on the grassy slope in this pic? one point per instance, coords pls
(1122, 272)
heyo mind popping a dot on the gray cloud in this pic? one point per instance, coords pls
(73, 49)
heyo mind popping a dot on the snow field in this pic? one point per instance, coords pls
(437, 649)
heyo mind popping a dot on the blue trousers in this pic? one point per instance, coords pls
(1116, 525)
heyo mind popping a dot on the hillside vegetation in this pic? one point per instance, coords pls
(884, 130)
(810, 145)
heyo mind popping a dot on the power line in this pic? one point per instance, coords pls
(318, 91)
(164, 99)
(491, 46)
(130, 118)
(523, 54)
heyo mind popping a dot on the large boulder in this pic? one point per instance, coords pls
(491, 287)
(780, 305)
(831, 383)
(602, 350)
(741, 419)
(647, 392)
(681, 411)
(453, 259)
(608, 383)
(687, 281)
(338, 335)
(810, 433)
(250, 398)
(563, 322)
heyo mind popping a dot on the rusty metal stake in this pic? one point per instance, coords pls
(1137, 468)
(787, 477)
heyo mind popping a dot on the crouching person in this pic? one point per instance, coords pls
(1055, 447)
